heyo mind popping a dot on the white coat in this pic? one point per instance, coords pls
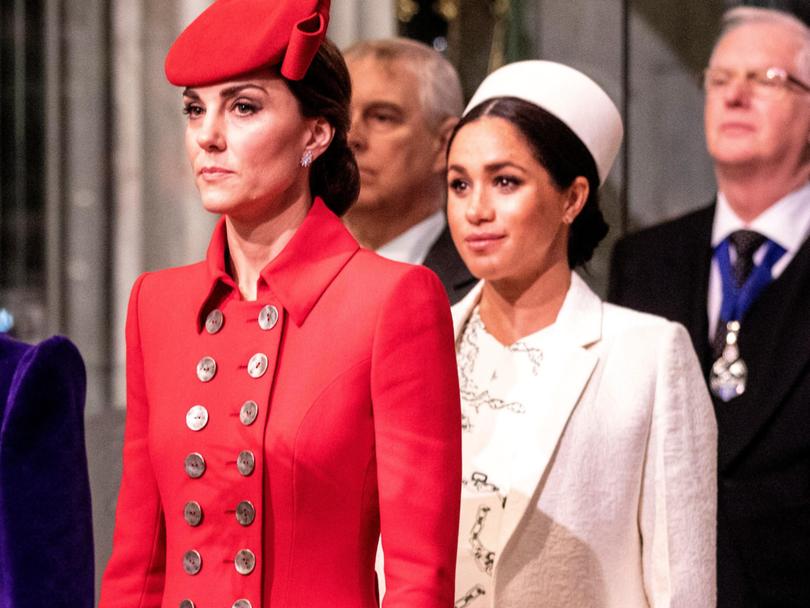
(612, 501)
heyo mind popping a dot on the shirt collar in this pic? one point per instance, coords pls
(298, 275)
(413, 245)
(786, 222)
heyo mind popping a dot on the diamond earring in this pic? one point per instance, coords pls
(306, 159)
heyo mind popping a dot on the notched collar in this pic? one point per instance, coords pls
(298, 276)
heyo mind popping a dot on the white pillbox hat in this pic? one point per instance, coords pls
(569, 95)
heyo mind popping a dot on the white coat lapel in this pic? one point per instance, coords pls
(567, 366)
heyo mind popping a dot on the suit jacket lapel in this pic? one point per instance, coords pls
(444, 260)
(565, 371)
(698, 254)
(774, 344)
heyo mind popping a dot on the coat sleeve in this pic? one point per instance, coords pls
(135, 573)
(678, 513)
(417, 419)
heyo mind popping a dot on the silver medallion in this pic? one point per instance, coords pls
(729, 373)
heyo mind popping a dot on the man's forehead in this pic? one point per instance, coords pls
(383, 81)
(759, 42)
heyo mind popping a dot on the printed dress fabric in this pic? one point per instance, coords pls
(492, 416)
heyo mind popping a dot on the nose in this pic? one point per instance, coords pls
(738, 91)
(210, 134)
(479, 210)
(357, 134)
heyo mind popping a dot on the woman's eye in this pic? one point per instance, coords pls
(457, 185)
(506, 181)
(244, 108)
(192, 110)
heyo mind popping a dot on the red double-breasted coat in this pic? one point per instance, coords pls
(267, 443)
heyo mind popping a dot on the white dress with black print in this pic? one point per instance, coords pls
(492, 422)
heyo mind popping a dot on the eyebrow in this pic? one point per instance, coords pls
(491, 168)
(383, 105)
(227, 92)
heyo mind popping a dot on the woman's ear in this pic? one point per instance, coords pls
(576, 197)
(321, 133)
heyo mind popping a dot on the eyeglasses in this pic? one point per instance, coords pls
(767, 82)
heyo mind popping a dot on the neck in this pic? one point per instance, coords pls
(252, 245)
(375, 226)
(512, 309)
(751, 191)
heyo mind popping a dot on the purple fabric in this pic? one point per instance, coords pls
(46, 538)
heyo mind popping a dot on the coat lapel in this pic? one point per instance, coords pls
(566, 368)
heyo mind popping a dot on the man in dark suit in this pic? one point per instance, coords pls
(406, 99)
(737, 275)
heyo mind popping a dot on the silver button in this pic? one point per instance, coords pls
(192, 513)
(206, 369)
(257, 365)
(248, 412)
(197, 418)
(246, 462)
(242, 604)
(245, 513)
(268, 317)
(214, 321)
(245, 562)
(192, 562)
(187, 604)
(194, 465)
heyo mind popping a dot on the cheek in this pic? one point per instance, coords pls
(455, 214)
(192, 148)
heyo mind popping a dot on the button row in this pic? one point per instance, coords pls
(194, 464)
(197, 415)
(244, 562)
(256, 368)
(193, 513)
(268, 318)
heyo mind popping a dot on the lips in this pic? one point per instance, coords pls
(214, 172)
(736, 127)
(483, 241)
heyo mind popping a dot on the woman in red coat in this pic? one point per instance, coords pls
(291, 396)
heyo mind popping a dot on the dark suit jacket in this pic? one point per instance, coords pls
(46, 536)
(763, 435)
(444, 260)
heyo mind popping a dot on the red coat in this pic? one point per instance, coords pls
(357, 429)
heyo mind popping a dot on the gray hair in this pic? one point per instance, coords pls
(439, 86)
(746, 15)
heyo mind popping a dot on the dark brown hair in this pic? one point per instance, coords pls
(326, 91)
(563, 155)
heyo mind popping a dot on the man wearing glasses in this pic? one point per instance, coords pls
(737, 275)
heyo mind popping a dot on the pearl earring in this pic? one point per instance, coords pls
(306, 159)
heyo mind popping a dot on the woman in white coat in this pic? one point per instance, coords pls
(589, 439)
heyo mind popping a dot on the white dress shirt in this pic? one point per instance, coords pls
(787, 223)
(413, 245)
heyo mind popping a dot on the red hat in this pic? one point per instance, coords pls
(232, 37)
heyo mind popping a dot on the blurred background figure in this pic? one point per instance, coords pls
(588, 437)
(737, 275)
(46, 535)
(406, 98)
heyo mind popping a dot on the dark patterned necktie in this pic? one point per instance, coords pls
(745, 243)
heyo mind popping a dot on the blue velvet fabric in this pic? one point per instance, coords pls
(46, 537)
